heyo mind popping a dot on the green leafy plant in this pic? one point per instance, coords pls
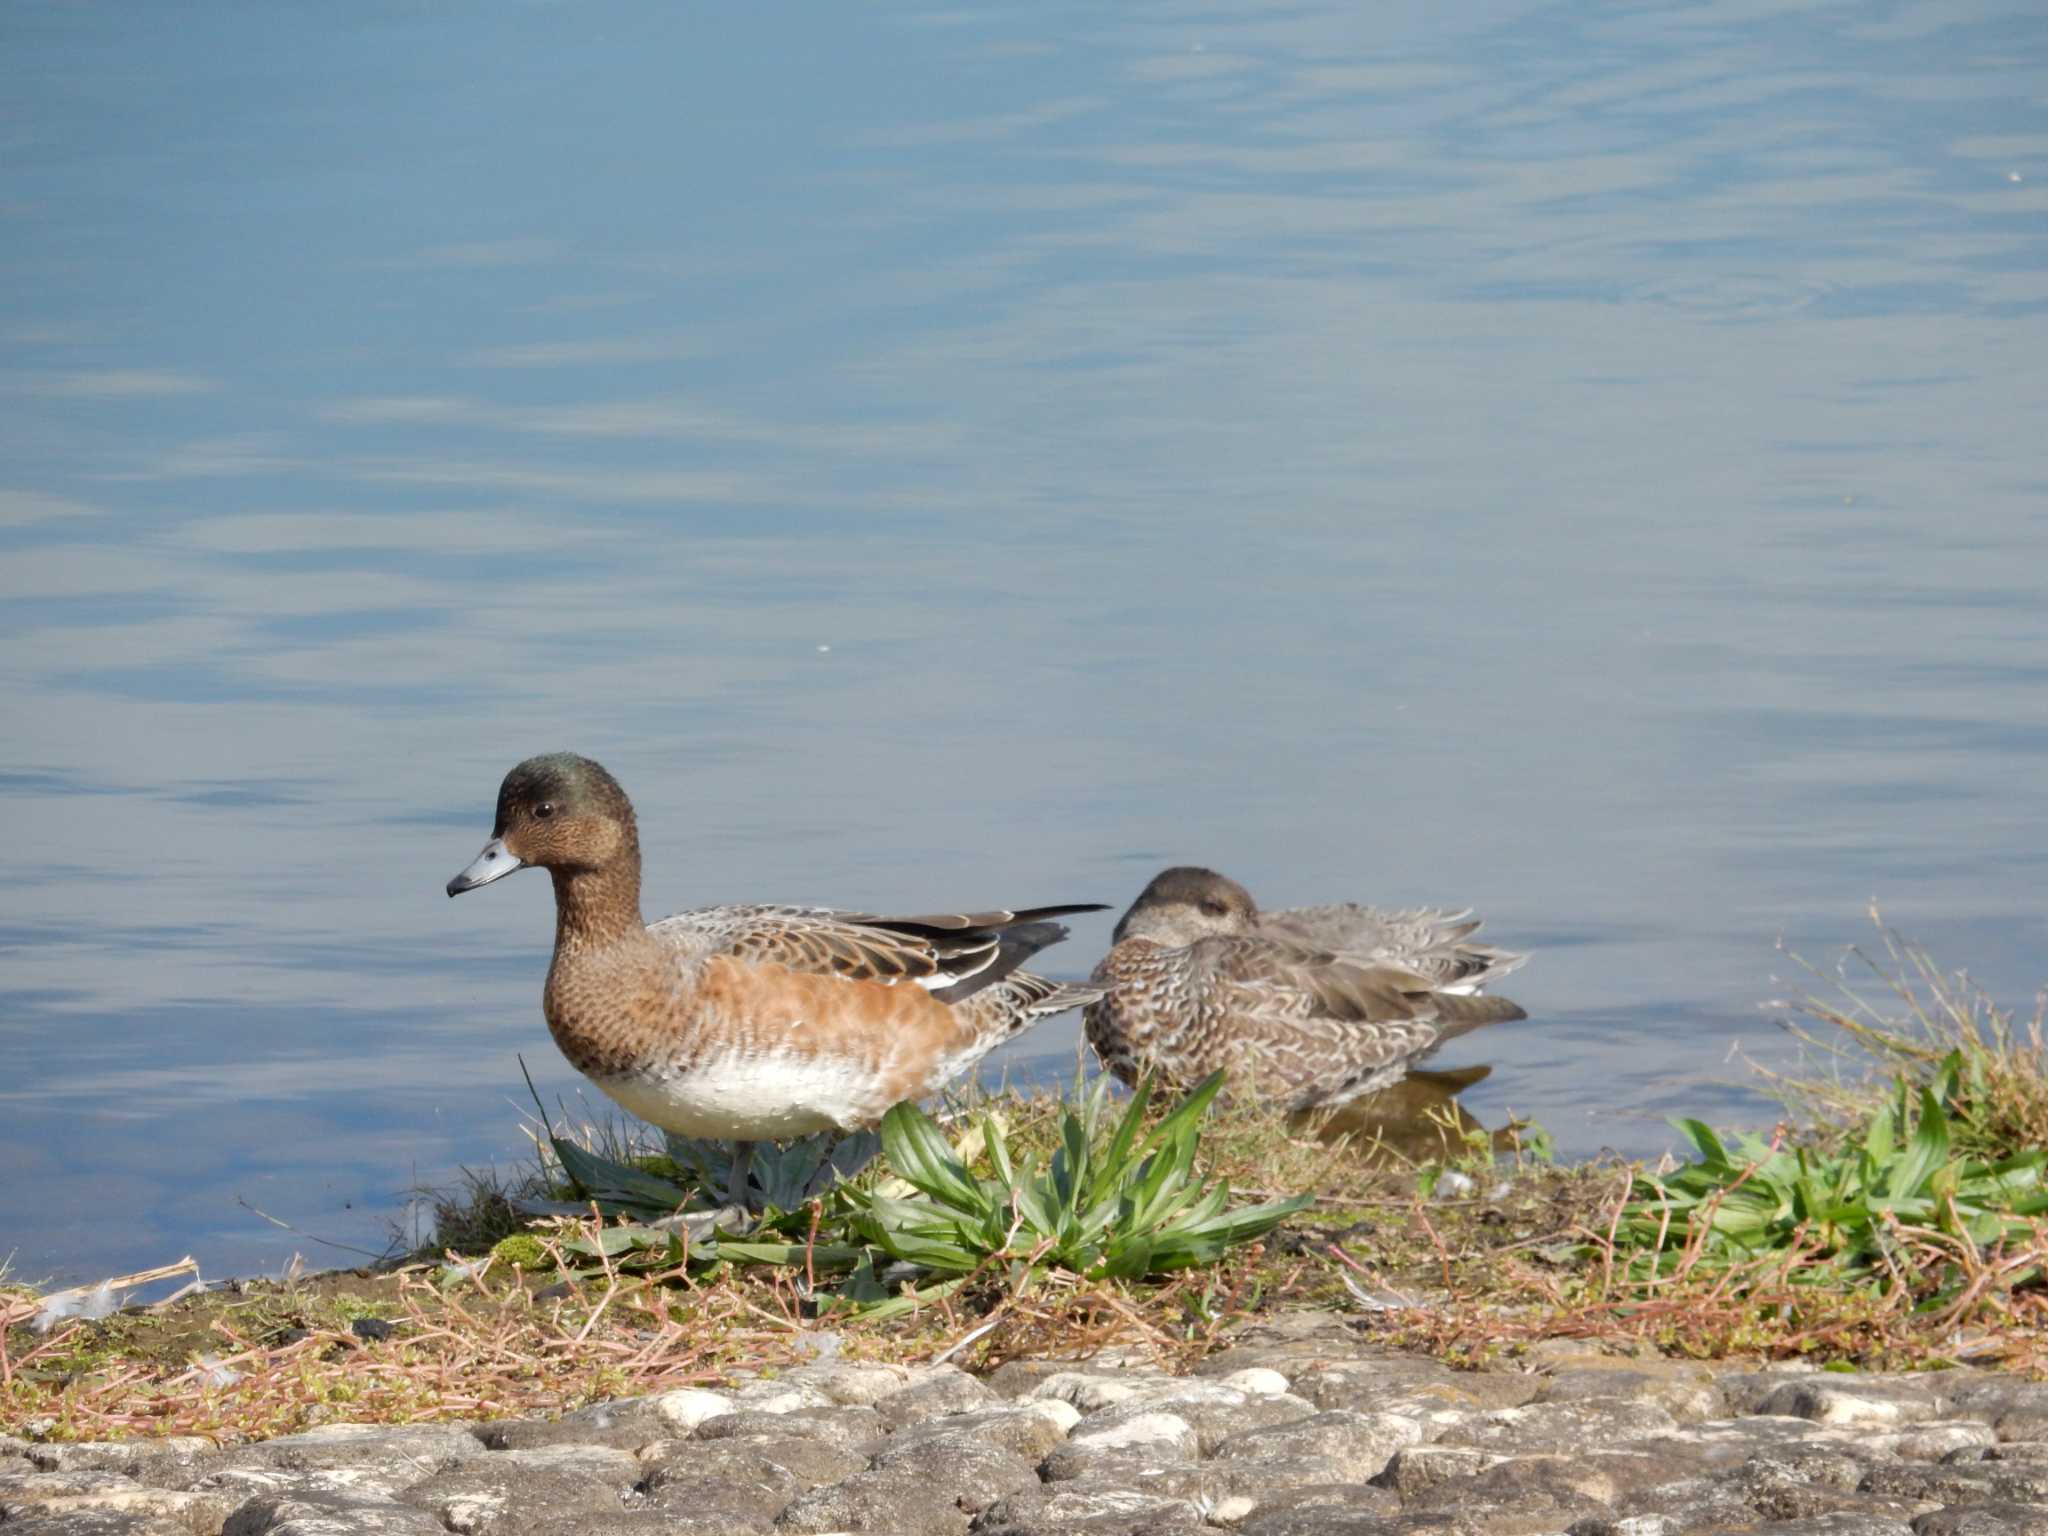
(1109, 1203)
(1845, 1210)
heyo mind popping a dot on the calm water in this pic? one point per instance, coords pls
(1584, 461)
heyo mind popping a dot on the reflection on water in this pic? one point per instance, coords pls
(1582, 461)
(1417, 1120)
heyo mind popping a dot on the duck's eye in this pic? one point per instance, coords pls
(545, 809)
(1214, 908)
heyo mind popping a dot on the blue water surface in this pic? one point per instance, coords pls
(1583, 461)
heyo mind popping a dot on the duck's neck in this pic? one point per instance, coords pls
(601, 905)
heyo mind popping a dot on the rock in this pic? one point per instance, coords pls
(1861, 1402)
(173, 1461)
(509, 1495)
(854, 1383)
(1062, 1507)
(1993, 1519)
(620, 1434)
(1256, 1381)
(1933, 1441)
(393, 1456)
(104, 1496)
(682, 1411)
(1359, 1444)
(973, 1474)
(1165, 1436)
(850, 1428)
(1561, 1427)
(1959, 1483)
(329, 1514)
(1016, 1378)
(1336, 1520)
(936, 1390)
(2016, 1450)
(1687, 1393)
(1213, 1410)
(777, 1469)
(899, 1503)
(1029, 1430)
(636, 1522)
(1091, 1392)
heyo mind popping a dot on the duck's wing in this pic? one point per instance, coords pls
(952, 955)
(1328, 1023)
(1430, 941)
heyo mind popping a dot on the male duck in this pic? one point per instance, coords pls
(748, 1023)
(1306, 1008)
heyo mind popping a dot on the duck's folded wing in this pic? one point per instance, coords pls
(1432, 941)
(1377, 1011)
(951, 954)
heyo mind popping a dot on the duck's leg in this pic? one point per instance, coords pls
(736, 1189)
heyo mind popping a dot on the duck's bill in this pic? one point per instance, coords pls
(494, 863)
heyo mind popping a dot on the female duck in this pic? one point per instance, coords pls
(1307, 1008)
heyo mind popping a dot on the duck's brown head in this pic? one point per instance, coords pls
(561, 812)
(1187, 903)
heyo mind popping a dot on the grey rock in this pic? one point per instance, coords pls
(1214, 1413)
(1380, 1382)
(175, 1461)
(938, 1390)
(1352, 1498)
(1069, 1507)
(34, 1495)
(972, 1476)
(313, 1513)
(399, 1457)
(897, 1502)
(779, 1469)
(1165, 1433)
(1688, 1393)
(1995, 1519)
(1415, 1470)
(100, 1522)
(507, 1496)
(1959, 1483)
(1029, 1430)
(854, 1383)
(1934, 1441)
(635, 1522)
(1561, 1488)
(1017, 1378)
(1874, 1402)
(2012, 1450)
(1846, 1523)
(850, 1427)
(1561, 1427)
(1360, 1444)
(1626, 1525)
(623, 1432)
(1338, 1520)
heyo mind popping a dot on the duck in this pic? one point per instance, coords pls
(754, 1022)
(1305, 1008)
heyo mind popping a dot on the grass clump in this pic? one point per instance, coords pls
(1897, 1209)
(1113, 1201)
(1895, 1014)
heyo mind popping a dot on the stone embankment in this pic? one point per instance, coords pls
(1298, 1429)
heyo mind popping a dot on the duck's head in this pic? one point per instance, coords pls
(559, 811)
(1187, 903)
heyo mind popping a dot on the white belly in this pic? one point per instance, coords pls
(746, 1097)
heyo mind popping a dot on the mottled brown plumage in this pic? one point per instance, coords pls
(753, 1022)
(1304, 1008)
